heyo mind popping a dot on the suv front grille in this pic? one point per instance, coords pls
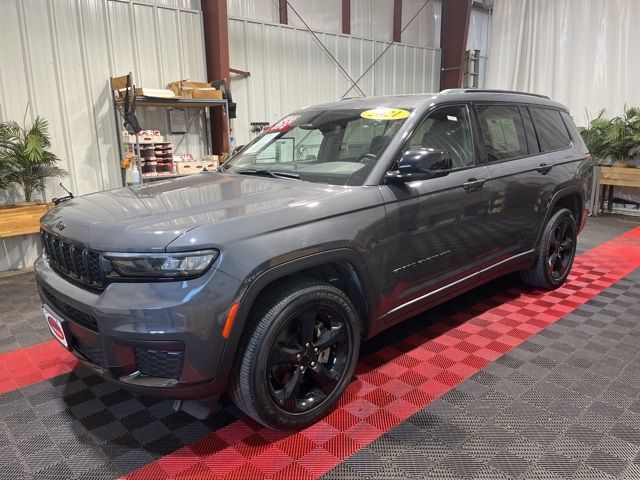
(159, 363)
(70, 312)
(73, 261)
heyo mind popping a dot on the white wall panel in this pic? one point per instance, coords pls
(263, 10)
(478, 39)
(57, 57)
(586, 61)
(372, 19)
(324, 16)
(424, 30)
(289, 70)
(479, 31)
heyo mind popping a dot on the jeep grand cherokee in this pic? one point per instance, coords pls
(340, 220)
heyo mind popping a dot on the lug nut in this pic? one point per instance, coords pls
(302, 368)
(315, 350)
(298, 356)
(313, 364)
(307, 345)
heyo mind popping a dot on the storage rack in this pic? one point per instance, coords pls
(203, 105)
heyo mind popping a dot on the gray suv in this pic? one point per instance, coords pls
(339, 221)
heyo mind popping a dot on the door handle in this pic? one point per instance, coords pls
(474, 184)
(544, 168)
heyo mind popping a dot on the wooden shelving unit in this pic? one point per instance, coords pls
(201, 104)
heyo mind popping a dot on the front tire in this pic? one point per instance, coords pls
(555, 253)
(300, 356)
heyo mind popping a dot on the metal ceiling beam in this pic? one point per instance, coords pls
(453, 41)
(397, 21)
(282, 10)
(216, 45)
(346, 17)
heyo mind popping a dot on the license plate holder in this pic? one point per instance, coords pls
(57, 327)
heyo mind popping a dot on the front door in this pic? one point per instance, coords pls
(436, 226)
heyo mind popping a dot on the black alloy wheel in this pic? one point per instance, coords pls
(299, 355)
(554, 253)
(561, 249)
(308, 358)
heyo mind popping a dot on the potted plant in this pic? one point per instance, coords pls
(24, 156)
(25, 161)
(615, 147)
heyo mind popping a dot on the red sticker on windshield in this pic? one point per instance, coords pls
(283, 125)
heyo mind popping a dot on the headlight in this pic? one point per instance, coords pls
(162, 265)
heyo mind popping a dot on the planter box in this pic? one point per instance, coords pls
(620, 176)
(21, 219)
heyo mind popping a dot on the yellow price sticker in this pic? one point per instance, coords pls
(385, 113)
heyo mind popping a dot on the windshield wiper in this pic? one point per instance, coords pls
(267, 173)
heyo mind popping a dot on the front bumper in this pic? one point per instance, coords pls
(160, 338)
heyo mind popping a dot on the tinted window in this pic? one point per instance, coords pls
(503, 132)
(552, 132)
(571, 126)
(446, 129)
(532, 139)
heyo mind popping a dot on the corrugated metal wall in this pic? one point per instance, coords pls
(62, 52)
(57, 57)
(289, 69)
(372, 19)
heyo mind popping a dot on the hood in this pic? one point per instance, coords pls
(149, 217)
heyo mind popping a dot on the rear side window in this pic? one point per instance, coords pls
(552, 132)
(571, 126)
(502, 131)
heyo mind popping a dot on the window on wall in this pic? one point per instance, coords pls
(502, 132)
(552, 132)
(446, 129)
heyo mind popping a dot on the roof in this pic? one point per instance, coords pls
(456, 95)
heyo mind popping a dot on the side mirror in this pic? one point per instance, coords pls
(236, 150)
(421, 164)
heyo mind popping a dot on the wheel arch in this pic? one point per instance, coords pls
(571, 198)
(355, 281)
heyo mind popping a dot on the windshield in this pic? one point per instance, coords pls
(334, 146)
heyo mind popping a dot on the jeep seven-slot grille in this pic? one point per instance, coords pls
(70, 312)
(74, 261)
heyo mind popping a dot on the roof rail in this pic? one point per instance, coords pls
(481, 90)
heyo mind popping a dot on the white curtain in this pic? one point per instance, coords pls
(583, 53)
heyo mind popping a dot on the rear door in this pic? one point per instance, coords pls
(437, 226)
(520, 182)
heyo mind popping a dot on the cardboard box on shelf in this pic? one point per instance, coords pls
(189, 89)
(184, 168)
(210, 162)
(208, 93)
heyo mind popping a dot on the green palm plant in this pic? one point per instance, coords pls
(595, 136)
(617, 139)
(623, 135)
(24, 156)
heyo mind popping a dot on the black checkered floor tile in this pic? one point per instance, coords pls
(565, 404)
(79, 426)
(21, 321)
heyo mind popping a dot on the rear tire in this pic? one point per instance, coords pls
(555, 252)
(300, 355)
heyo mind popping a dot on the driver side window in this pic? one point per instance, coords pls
(446, 129)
